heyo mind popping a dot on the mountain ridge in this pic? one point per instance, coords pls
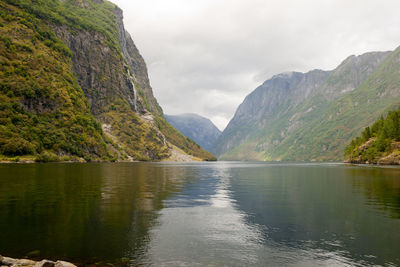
(286, 118)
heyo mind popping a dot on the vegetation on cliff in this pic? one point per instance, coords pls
(42, 107)
(73, 85)
(136, 138)
(76, 14)
(378, 143)
(183, 142)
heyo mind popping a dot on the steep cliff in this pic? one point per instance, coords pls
(87, 38)
(311, 116)
(42, 107)
(197, 128)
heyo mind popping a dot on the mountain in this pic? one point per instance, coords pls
(197, 128)
(378, 143)
(74, 85)
(312, 116)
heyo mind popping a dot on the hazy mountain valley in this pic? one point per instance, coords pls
(197, 128)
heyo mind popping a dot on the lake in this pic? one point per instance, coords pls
(196, 214)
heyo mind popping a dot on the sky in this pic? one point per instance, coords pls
(205, 56)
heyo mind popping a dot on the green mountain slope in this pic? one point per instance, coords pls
(77, 85)
(378, 143)
(42, 106)
(312, 116)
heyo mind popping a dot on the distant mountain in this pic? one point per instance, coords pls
(197, 128)
(312, 116)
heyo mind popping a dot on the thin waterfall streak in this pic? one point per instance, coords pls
(132, 80)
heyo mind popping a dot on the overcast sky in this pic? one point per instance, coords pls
(205, 56)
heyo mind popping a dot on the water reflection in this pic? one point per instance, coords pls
(213, 214)
(312, 209)
(205, 228)
(82, 212)
(381, 186)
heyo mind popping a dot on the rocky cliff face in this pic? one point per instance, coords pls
(136, 63)
(100, 71)
(296, 116)
(268, 102)
(197, 128)
(116, 84)
(101, 60)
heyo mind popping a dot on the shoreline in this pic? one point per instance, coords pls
(39, 262)
(378, 163)
(177, 155)
(359, 164)
(2, 161)
(7, 261)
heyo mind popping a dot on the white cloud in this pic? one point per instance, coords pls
(206, 56)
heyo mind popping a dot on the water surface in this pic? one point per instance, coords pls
(196, 214)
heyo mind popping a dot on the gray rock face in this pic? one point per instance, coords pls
(111, 76)
(197, 128)
(275, 111)
(101, 73)
(278, 94)
(136, 63)
(268, 102)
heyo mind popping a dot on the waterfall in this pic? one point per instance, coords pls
(132, 80)
(135, 96)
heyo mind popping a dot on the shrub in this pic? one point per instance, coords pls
(384, 130)
(47, 156)
(16, 147)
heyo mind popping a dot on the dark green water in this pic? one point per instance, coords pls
(213, 214)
